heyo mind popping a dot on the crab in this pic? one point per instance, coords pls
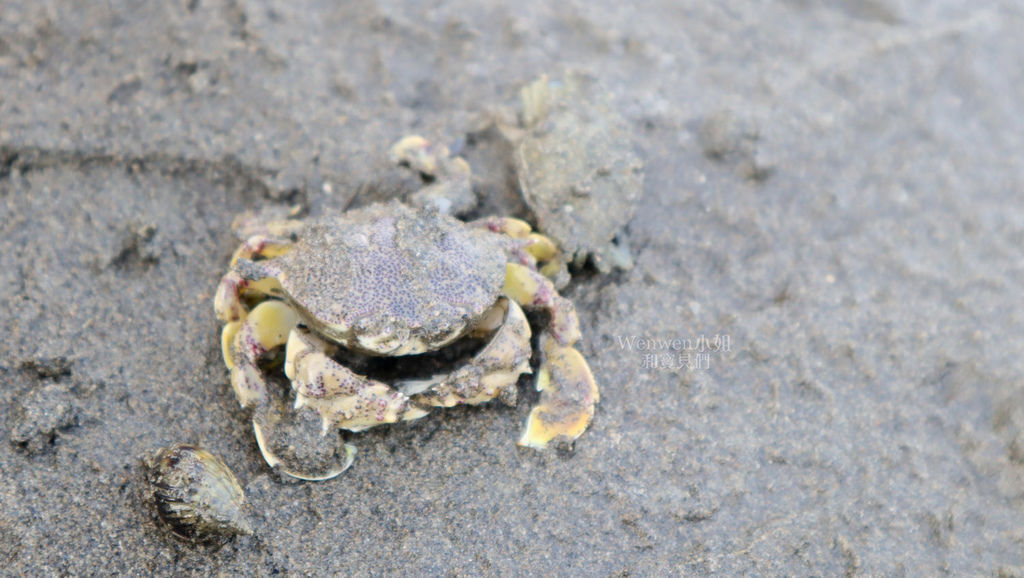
(393, 281)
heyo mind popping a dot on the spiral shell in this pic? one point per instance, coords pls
(195, 493)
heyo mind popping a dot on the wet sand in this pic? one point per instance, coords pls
(834, 187)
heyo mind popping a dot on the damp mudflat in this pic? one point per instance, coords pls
(830, 229)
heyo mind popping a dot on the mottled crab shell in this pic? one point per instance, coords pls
(391, 279)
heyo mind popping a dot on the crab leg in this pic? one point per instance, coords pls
(244, 342)
(248, 225)
(493, 371)
(529, 248)
(227, 302)
(538, 246)
(293, 442)
(567, 397)
(268, 326)
(511, 226)
(341, 398)
(428, 158)
(568, 390)
(266, 246)
(452, 189)
(533, 290)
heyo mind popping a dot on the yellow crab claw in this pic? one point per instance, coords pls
(568, 394)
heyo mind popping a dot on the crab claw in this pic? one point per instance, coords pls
(492, 372)
(531, 289)
(568, 394)
(244, 342)
(340, 397)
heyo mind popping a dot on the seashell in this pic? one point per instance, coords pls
(195, 493)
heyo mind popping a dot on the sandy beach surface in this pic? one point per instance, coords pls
(833, 199)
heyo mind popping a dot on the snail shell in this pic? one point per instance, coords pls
(195, 493)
